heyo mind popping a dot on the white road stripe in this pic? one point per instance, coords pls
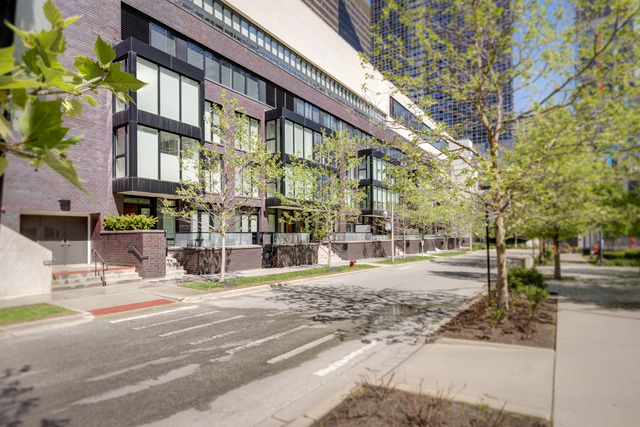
(157, 313)
(224, 334)
(344, 360)
(404, 268)
(175, 320)
(300, 349)
(134, 368)
(143, 385)
(264, 340)
(179, 331)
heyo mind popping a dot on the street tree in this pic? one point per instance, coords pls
(223, 180)
(481, 54)
(324, 187)
(38, 95)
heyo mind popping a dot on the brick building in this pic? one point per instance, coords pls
(292, 74)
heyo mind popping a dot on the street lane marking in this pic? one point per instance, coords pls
(157, 313)
(403, 268)
(204, 325)
(300, 349)
(344, 360)
(136, 367)
(175, 320)
(224, 334)
(266, 339)
(173, 375)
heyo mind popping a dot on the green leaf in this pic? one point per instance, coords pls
(91, 100)
(8, 82)
(19, 97)
(88, 68)
(70, 21)
(73, 107)
(65, 168)
(41, 123)
(4, 164)
(6, 60)
(104, 52)
(5, 129)
(122, 81)
(52, 13)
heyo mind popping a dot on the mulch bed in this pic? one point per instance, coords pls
(518, 327)
(375, 405)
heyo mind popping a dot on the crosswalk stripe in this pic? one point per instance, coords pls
(344, 360)
(179, 331)
(175, 320)
(266, 339)
(157, 313)
(300, 349)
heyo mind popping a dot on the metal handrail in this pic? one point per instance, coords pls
(95, 267)
(136, 252)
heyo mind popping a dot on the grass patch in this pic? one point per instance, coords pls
(408, 259)
(279, 277)
(446, 254)
(618, 262)
(28, 313)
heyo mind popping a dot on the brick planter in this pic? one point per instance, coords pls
(113, 247)
(295, 254)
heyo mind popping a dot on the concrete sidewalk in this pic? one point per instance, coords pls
(591, 378)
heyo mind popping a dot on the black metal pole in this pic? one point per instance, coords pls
(488, 261)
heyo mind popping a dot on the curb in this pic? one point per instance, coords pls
(211, 296)
(44, 324)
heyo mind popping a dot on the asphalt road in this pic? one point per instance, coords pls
(232, 361)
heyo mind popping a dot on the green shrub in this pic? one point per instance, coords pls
(534, 295)
(626, 254)
(518, 277)
(129, 222)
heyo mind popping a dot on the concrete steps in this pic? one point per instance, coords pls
(174, 269)
(323, 255)
(77, 278)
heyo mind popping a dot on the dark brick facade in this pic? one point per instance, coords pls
(295, 254)
(113, 247)
(207, 260)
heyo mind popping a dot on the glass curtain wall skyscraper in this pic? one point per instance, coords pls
(458, 115)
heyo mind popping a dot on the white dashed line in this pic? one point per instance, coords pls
(300, 349)
(344, 360)
(175, 320)
(224, 334)
(158, 313)
(204, 325)
(266, 339)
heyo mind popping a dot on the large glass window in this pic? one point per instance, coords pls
(190, 101)
(147, 96)
(363, 168)
(163, 39)
(170, 86)
(169, 157)
(120, 152)
(195, 55)
(212, 67)
(147, 152)
(238, 80)
(212, 120)
(190, 159)
(273, 136)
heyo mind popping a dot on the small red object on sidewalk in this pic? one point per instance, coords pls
(352, 263)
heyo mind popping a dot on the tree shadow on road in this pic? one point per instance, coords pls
(16, 402)
(399, 316)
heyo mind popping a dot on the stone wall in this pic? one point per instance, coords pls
(113, 247)
(295, 254)
(207, 260)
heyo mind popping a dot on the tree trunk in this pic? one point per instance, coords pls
(541, 251)
(501, 253)
(223, 256)
(329, 259)
(556, 257)
(404, 245)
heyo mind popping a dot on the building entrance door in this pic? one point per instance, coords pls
(67, 237)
